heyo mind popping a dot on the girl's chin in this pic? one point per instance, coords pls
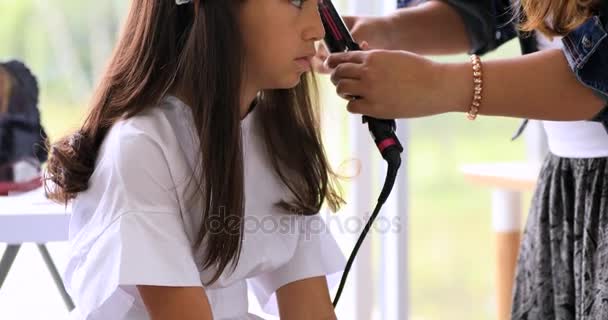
(288, 83)
(297, 80)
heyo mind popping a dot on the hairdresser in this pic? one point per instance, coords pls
(562, 79)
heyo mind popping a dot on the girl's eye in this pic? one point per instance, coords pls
(298, 3)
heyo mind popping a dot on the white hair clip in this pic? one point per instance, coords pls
(180, 2)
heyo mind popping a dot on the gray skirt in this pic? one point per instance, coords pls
(562, 270)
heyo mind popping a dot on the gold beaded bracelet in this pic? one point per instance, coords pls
(477, 87)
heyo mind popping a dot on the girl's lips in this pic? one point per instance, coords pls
(304, 63)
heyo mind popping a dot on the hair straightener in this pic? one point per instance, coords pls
(339, 39)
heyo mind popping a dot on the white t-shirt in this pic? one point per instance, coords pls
(134, 227)
(573, 139)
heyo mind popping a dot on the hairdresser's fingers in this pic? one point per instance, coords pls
(353, 56)
(350, 88)
(361, 106)
(364, 46)
(356, 106)
(346, 71)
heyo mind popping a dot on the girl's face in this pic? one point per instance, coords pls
(279, 38)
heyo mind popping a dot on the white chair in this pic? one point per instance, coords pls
(31, 218)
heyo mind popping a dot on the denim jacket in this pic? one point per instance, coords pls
(490, 24)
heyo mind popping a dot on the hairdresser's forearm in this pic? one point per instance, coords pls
(537, 86)
(433, 28)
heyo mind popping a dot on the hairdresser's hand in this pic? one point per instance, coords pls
(319, 61)
(390, 84)
(373, 30)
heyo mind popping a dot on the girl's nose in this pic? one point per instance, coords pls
(314, 30)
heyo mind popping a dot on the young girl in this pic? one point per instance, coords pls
(562, 270)
(200, 168)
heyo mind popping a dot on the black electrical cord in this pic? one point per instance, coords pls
(339, 39)
(393, 159)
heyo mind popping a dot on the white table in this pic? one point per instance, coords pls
(508, 181)
(31, 218)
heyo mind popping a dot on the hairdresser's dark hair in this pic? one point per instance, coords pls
(165, 46)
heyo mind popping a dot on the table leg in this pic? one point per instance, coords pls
(56, 277)
(506, 221)
(10, 253)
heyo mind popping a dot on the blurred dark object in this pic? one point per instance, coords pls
(22, 138)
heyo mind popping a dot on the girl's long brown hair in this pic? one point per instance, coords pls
(556, 17)
(198, 48)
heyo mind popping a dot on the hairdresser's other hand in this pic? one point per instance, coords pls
(390, 84)
(375, 31)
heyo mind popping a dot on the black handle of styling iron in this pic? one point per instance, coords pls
(339, 39)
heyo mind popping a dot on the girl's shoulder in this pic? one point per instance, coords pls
(160, 122)
(154, 141)
(164, 124)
